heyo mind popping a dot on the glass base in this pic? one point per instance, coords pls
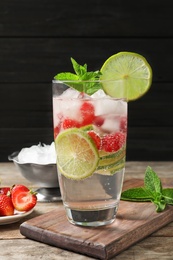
(91, 218)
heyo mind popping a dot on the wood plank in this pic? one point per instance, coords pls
(26, 249)
(117, 19)
(134, 222)
(23, 97)
(40, 59)
(150, 143)
(151, 248)
(164, 232)
(39, 43)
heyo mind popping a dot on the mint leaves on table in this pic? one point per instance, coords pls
(152, 191)
(81, 75)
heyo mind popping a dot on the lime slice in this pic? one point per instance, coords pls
(127, 75)
(87, 128)
(111, 159)
(112, 169)
(77, 155)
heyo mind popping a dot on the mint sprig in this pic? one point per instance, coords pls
(151, 192)
(80, 76)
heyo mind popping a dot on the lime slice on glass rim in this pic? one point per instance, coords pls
(127, 75)
(77, 155)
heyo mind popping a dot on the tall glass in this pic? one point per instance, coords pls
(91, 186)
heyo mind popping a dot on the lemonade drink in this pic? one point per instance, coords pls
(96, 127)
(90, 131)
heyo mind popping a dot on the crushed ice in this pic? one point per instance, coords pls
(39, 154)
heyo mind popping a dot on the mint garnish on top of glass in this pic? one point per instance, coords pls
(152, 191)
(80, 76)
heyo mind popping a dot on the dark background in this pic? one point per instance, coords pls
(37, 39)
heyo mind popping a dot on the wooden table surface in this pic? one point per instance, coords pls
(13, 245)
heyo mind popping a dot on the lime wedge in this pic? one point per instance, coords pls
(127, 75)
(77, 155)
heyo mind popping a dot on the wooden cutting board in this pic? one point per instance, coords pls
(134, 222)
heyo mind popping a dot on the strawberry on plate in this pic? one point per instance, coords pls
(23, 199)
(4, 190)
(6, 205)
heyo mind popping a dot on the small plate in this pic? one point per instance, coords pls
(14, 218)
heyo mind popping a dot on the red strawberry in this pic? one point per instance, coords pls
(87, 112)
(98, 121)
(6, 205)
(70, 123)
(23, 199)
(123, 124)
(56, 131)
(96, 138)
(4, 190)
(113, 142)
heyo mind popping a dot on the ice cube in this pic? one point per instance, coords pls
(99, 94)
(68, 105)
(111, 125)
(38, 154)
(110, 106)
(70, 93)
(68, 108)
(104, 106)
(121, 108)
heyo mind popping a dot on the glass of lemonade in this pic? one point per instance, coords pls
(90, 140)
(90, 130)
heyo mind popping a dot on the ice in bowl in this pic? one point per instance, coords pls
(38, 165)
(39, 154)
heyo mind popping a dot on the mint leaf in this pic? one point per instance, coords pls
(82, 72)
(152, 191)
(66, 75)
(168, 195)
(160, 205)
(136, 194)
(80, 77)
(152, 182)
(79, 69)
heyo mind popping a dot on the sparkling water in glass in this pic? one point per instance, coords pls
(93, 200)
